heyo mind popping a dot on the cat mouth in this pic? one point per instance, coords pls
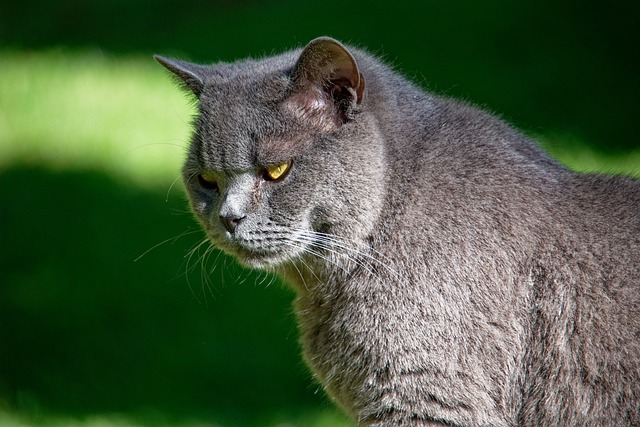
(253, 251)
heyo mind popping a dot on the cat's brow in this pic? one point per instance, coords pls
(237, 155)
(274, 149)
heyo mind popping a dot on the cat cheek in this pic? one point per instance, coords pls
(201, 205)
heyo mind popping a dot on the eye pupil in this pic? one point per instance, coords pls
(277, 171)
(207, 181)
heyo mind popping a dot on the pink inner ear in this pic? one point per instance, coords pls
(313, 100)
(313, 107)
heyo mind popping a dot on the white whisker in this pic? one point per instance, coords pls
(204, 275)
(188, 269)
(272, 281)
(304, 282)
(215, 262)
(344, 249)
(262, 276)
(194, 249)
(172, 240)
(304, 246)
(170, 187)
(311, 270)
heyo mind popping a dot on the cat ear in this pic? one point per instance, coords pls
(191, 75)
(326, 80)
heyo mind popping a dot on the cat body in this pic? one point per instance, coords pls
(447, 271)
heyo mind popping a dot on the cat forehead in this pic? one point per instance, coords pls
(249, 71)
(241, 128)
(248, 86)
(244, 92)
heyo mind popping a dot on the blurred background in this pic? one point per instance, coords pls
(112, 312)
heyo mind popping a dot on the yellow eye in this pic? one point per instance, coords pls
(276, 172)
(208, 180)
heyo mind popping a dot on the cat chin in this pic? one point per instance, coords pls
(262, 261)
(257, 260)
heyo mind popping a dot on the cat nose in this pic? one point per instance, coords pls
(230, 222)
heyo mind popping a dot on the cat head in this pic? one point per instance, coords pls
(284, 155)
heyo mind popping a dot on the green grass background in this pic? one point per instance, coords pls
(110, 312)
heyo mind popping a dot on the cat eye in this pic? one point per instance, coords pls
(208, 181)
(277, 171)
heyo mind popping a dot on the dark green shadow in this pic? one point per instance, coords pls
(85, 328)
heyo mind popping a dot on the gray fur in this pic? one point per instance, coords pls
(447, 271)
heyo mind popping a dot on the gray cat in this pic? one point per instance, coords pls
(447, 271)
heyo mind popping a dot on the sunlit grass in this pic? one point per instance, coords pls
(67, 110)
